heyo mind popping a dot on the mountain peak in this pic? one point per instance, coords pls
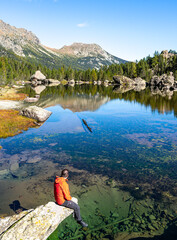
(16, 38)
(83, 50)
(79, 55)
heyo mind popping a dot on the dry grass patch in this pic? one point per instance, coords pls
(11, 123)
(11, 94)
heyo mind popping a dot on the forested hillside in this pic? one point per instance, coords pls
(13, 68)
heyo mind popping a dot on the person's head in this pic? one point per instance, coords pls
(65, 173)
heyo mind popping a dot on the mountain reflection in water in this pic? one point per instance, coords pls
(125, 168)
(91, 97)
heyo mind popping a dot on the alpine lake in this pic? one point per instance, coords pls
(121, 150)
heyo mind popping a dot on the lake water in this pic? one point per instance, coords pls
(121, 150)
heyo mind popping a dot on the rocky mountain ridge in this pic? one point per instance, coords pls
(16, 38)
(78, 55)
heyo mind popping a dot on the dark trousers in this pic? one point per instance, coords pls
(75, 207)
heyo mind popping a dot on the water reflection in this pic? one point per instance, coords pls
(91, 97)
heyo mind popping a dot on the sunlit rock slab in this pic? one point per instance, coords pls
(37, 224)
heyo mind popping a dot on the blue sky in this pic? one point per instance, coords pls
(129, 29)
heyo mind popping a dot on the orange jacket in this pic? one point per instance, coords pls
(61, 190)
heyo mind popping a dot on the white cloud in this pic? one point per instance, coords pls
(81, 25)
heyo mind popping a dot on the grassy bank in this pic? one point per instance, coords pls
(11, 123)
(11, 94)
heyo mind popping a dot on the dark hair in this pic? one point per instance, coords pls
(64, 173)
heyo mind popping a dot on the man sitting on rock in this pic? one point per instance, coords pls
(63, 197)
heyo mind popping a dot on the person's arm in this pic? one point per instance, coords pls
(66, 192)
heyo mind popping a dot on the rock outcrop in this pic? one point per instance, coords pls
(16, 39)
(137, 83)
(122, 80)
(167, 54)
(38, 78)
(36, 113)
(53, 81)
(34, 224)
(25, 43)
(31, 99)
(163, 80)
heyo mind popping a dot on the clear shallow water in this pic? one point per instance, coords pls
(129, 156)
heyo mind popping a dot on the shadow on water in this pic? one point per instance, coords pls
(16, 206)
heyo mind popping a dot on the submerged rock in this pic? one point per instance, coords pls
(37, 113)
(35, 224)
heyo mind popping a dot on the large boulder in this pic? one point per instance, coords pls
(37, 113)
(38, 75)
(71, 82)
(139, 81)
(122, 80)
(53, 81)
(33, 224)
(163, 80)
(31, 99)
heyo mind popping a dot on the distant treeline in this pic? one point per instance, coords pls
(18, 68)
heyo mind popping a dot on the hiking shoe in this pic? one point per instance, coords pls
(83, 224)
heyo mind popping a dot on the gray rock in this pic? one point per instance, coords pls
(35, 224)
(71, 81)
(139, 81)
(38, 75)
(37, 113)
(14, 167)
(53, 84)
(31, 99)
(122, 80)
(6, 222)
(163, 80)
(18, 87)
(54, 81)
